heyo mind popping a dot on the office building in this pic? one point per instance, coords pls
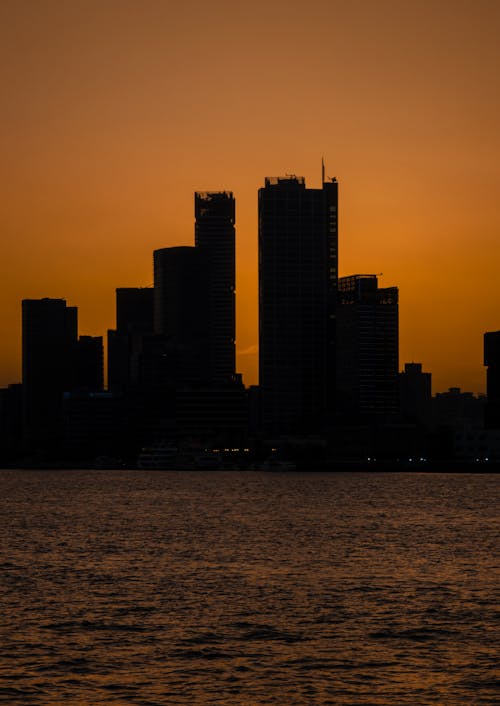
(181, 314)
(367, 350)
(215, 238)
(134, 309)
(298, 271)
(415, 394)
(93, 426)
(49, 339)
(89, 371)
(492, 363)
(11, 423)
(134, 319)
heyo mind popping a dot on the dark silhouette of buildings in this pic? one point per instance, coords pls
(191, 356)
(215, 238)
(11, 423)
(182, 315)
(171, 357)
(458, 431)
(134, 319)
(298, 265)
(89, 364)
(134, 309)
(329, 392)
(456, 408)
(49, 332)
(62, 375)
(415, 394)
(367, 349)
(492, 362)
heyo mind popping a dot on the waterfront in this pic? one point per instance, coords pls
(123, 587)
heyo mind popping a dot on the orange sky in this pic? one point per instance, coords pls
(114, 112)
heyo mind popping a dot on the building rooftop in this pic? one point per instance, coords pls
(287, 180)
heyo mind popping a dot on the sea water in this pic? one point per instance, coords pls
(232, 588)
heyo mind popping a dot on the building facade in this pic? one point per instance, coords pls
(49, 341)
(182, 313)
(367, 350)
(134, 320)
(415, 394)
(298, 271)
(492, 363)
(215, 238)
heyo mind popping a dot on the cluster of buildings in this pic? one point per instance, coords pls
(329, 391)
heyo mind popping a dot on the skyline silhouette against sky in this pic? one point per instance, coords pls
(114, 114)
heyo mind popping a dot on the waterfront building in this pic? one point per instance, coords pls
(93, 426)
(455, 409)
(49, 339)
(492, 363)
(182, 313)
(134, 319)
(11, 423)
(134, 309)
(215, 238)
(298, 271)
(415, 394)
(89, 370)
(367, 350)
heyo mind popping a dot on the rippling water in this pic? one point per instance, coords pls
(248, 588)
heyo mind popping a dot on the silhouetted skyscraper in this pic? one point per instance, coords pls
(49, 343)
(11, 423)
(134, 319)
(215, 238)
(89, 373)
(134, 309)
(181, 314)
(368, 348)
(298, 270)
(415, 394)
(492, 361)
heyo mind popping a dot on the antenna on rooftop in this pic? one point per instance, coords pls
(322, 170)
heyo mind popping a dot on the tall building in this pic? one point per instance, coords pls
(367, 350)
(492, 362)
(134, 309)
(415, 394)
(11, 423)
(215, 238)
(182, 315)
(298, 270)
(89, 372)
(49, 339)
(134, 319)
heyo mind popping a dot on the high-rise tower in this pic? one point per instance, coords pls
(181, 313)
(298, 271)
(49, 345)
(134, 320)
(492, 362)
(367, 350)
(215, 238)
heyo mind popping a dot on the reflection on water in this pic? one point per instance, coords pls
(248, 588)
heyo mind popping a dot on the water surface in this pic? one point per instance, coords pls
(237, 588)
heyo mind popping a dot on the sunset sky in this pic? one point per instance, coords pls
(114, 112)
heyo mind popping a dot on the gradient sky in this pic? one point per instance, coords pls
(114, 113)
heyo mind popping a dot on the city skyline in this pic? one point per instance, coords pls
(114, 115)
(253, 377)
